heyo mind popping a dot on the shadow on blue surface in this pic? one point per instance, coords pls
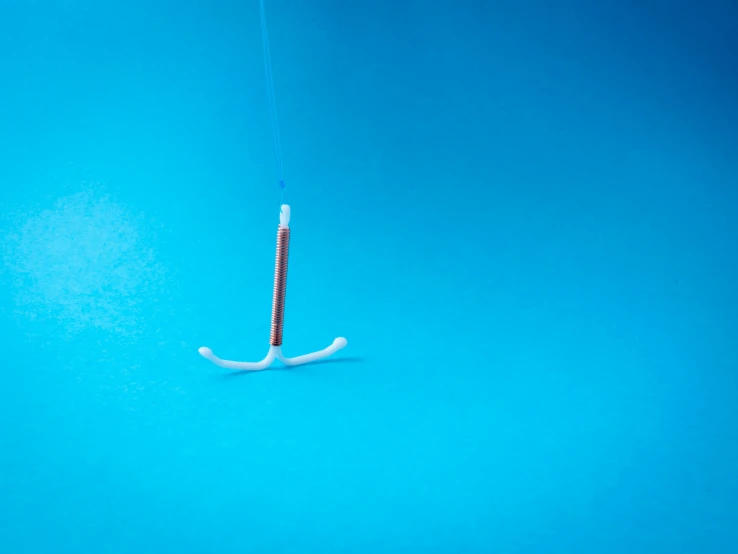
(238, 373)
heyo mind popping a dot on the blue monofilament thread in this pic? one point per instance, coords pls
(272, 104)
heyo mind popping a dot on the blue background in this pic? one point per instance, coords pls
(522, 215)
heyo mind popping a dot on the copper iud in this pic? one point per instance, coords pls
(278, 300)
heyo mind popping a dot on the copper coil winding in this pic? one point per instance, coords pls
(280, 286)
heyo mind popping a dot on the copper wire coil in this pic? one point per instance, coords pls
(280, 286)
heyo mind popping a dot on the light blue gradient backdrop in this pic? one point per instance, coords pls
(522, 215)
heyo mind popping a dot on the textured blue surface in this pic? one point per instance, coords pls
(522, 215)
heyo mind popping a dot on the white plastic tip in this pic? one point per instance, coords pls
(340, 342)
(284, 216)
(205, 352)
